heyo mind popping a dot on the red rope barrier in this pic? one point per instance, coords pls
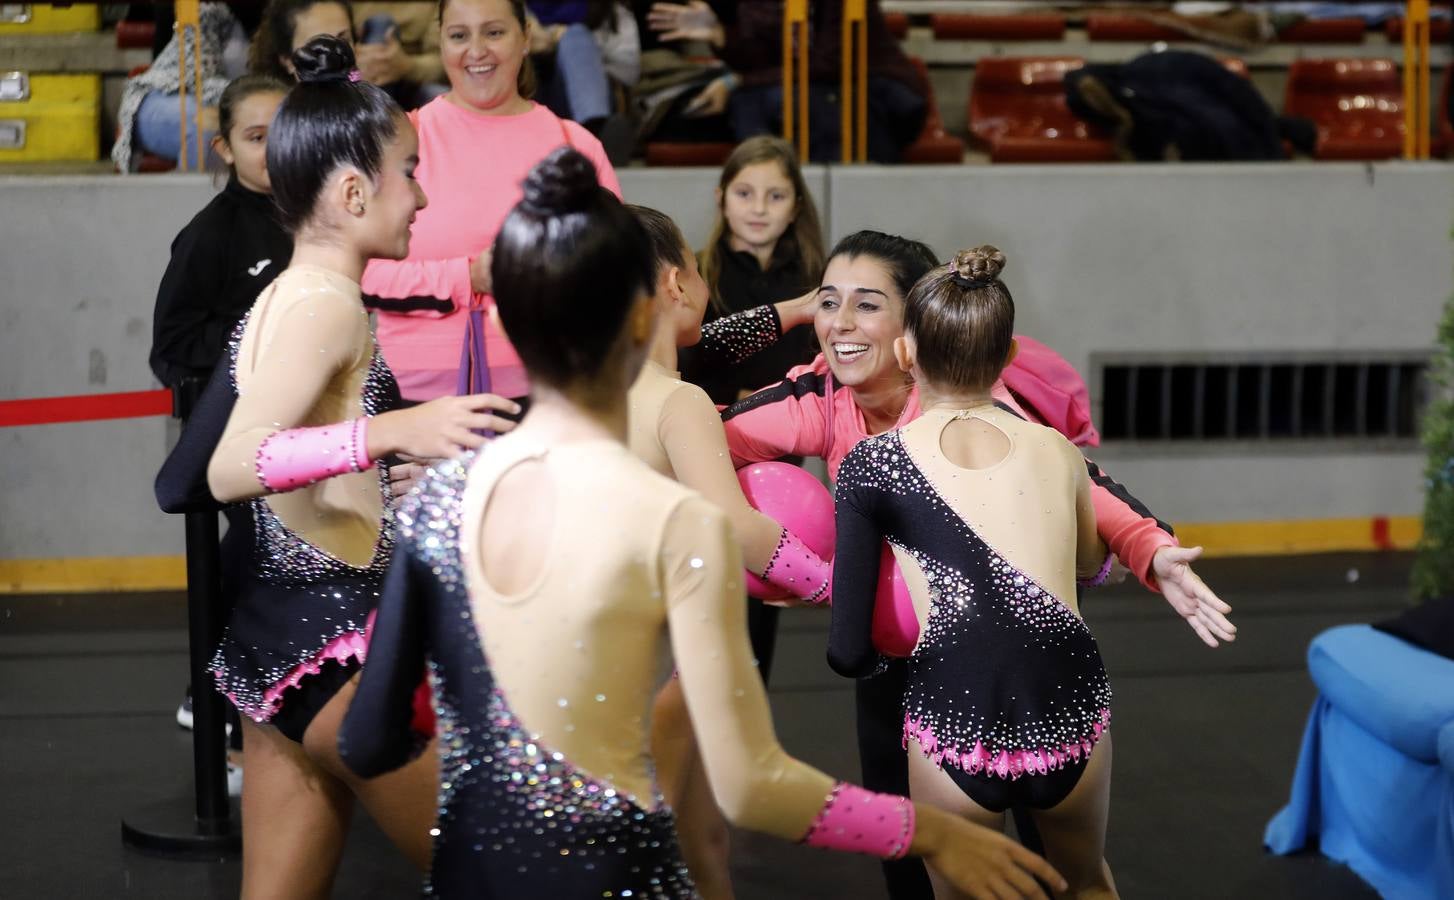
(85, 408)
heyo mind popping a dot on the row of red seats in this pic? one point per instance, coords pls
(934, 144)
(1127, 28)
(1018, 111)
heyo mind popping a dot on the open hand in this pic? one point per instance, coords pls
(440, 428)
(691, 21)
(982, 863)
(1203, 610)
(383, 63)
(710, 100)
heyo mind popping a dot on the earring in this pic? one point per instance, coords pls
(360, 210)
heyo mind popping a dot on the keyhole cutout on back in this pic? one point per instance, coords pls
(973, 443)
(515, 528)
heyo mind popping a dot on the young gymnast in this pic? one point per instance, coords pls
(676, 430)
(310, 415)
(543, 579)
(990, 517)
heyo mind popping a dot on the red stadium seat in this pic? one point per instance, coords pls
(973, 27)
(1017, 111)
(1438, 30)
(1323, 31)
(681, 153)
(1357, 105)
(933, 145)
(135, 35)
(898, 24)
(1118, 27)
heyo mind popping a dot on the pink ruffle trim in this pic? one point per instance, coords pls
(1009, 764)
(347, 646)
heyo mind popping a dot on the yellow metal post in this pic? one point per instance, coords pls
(853, 98)
(189, 22)
(795, 75)
(1416, 80)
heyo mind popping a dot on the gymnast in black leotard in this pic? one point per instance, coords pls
(990, 518)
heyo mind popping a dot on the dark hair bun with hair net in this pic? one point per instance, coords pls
(564, 182)
(324, 59)
(979, 266)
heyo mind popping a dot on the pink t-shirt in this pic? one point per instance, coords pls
(471, 167)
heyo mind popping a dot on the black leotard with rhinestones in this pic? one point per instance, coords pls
(516, 818)
(1006, 690)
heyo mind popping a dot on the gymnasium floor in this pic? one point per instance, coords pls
(1205, 743)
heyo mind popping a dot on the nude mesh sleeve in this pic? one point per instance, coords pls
(756, 783)
(307, 344)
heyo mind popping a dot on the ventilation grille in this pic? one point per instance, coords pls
(1263, 399)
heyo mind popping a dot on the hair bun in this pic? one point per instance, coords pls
(564, 182)
(977, 267)
(323, 59)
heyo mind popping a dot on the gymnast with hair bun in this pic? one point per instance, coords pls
(544, 579)
(295, 425)
(990, 519)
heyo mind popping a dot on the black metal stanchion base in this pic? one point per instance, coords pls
(171, 828)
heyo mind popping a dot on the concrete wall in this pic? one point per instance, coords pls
(1102, 260)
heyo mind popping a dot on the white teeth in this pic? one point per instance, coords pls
(479, 70)
(843, 349)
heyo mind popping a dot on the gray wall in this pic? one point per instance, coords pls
(1196, 258)
(1102, 259)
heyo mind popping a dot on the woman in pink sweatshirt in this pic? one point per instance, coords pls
(476, 144)
(855, 388)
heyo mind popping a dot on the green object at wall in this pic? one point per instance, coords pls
(1433, 574)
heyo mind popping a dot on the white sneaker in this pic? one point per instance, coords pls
(184, 712)
(234, 780)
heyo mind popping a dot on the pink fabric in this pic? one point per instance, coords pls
(297, 457)
(347, 646)
(810, 424)
(1009, 764)
(1053, 390)
(798, 570)
(471, 167)
(860, 821)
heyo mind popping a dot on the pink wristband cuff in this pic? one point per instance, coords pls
(1100, 577)
(860, 821)
(298, 457)
(798, 570)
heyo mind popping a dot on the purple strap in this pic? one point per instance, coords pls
(474, 363)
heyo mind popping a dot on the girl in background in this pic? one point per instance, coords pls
(766, 246)
(288, 25)
(230, 250)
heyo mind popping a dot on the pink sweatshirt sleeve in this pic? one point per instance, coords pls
(786, 419)
(1132, 532)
